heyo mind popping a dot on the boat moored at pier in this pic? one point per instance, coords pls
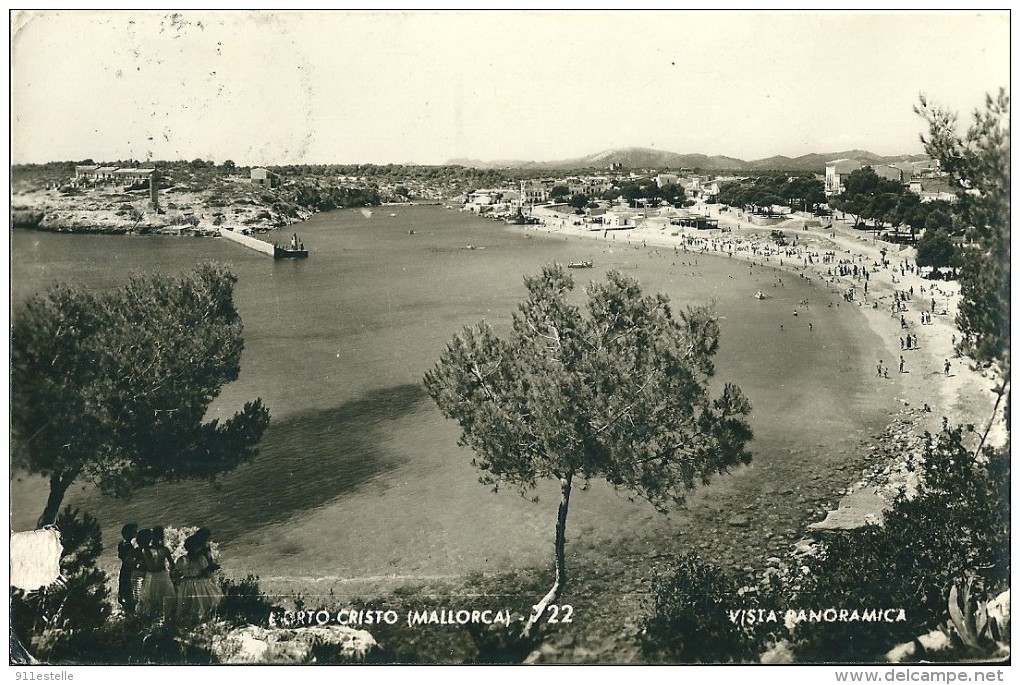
(285, 252)
(296, 249)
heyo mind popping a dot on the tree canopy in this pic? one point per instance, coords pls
(936, 249)
(867, 195)
(801, 192)
(885, 201)
(325, 197)
(649, 190)
(113, 386)
(618, 392)
(978, 161)
(578, 201)
(559, 192)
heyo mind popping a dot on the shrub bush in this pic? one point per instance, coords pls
(689, 622)
(954, 530)
(244, 603)
(497, 644)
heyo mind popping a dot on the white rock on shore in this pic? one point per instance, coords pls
(256, 645)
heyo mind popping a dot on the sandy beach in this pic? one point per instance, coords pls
(963, 396)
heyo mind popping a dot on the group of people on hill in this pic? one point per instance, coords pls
(155, 585)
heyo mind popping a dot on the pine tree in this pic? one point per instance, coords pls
(619, 392)
(114, 386)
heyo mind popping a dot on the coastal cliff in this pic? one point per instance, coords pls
(191, 206)
(122, 213)
(26, 219)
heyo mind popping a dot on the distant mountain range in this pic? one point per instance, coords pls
(647, 158)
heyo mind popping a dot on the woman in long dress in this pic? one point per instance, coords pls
(156, 597)
(198, 594)
(127, 552)
(203, 539)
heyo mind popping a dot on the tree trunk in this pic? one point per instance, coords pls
(561, 565)
(1001, 390)
(58, 486)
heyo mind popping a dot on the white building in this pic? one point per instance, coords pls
(534, 193)
(617, 219)
(892, 172)
(261, 177)
(133, 176)
(931, 189)
(125, 175)
(836, 172)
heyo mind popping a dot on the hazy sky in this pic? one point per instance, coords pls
(314, 87)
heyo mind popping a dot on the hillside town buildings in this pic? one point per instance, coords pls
(922, 177)
(596, 198)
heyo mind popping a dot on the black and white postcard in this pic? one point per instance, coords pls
(510, 337)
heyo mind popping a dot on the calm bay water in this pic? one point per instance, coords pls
(359, 474)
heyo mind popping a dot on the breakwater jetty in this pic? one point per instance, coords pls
(246, 240)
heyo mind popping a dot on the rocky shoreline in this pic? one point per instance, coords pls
(181, 212)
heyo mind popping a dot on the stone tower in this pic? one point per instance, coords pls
(154, 190)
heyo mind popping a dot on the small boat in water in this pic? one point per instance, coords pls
(586, 264)
(760, 295)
